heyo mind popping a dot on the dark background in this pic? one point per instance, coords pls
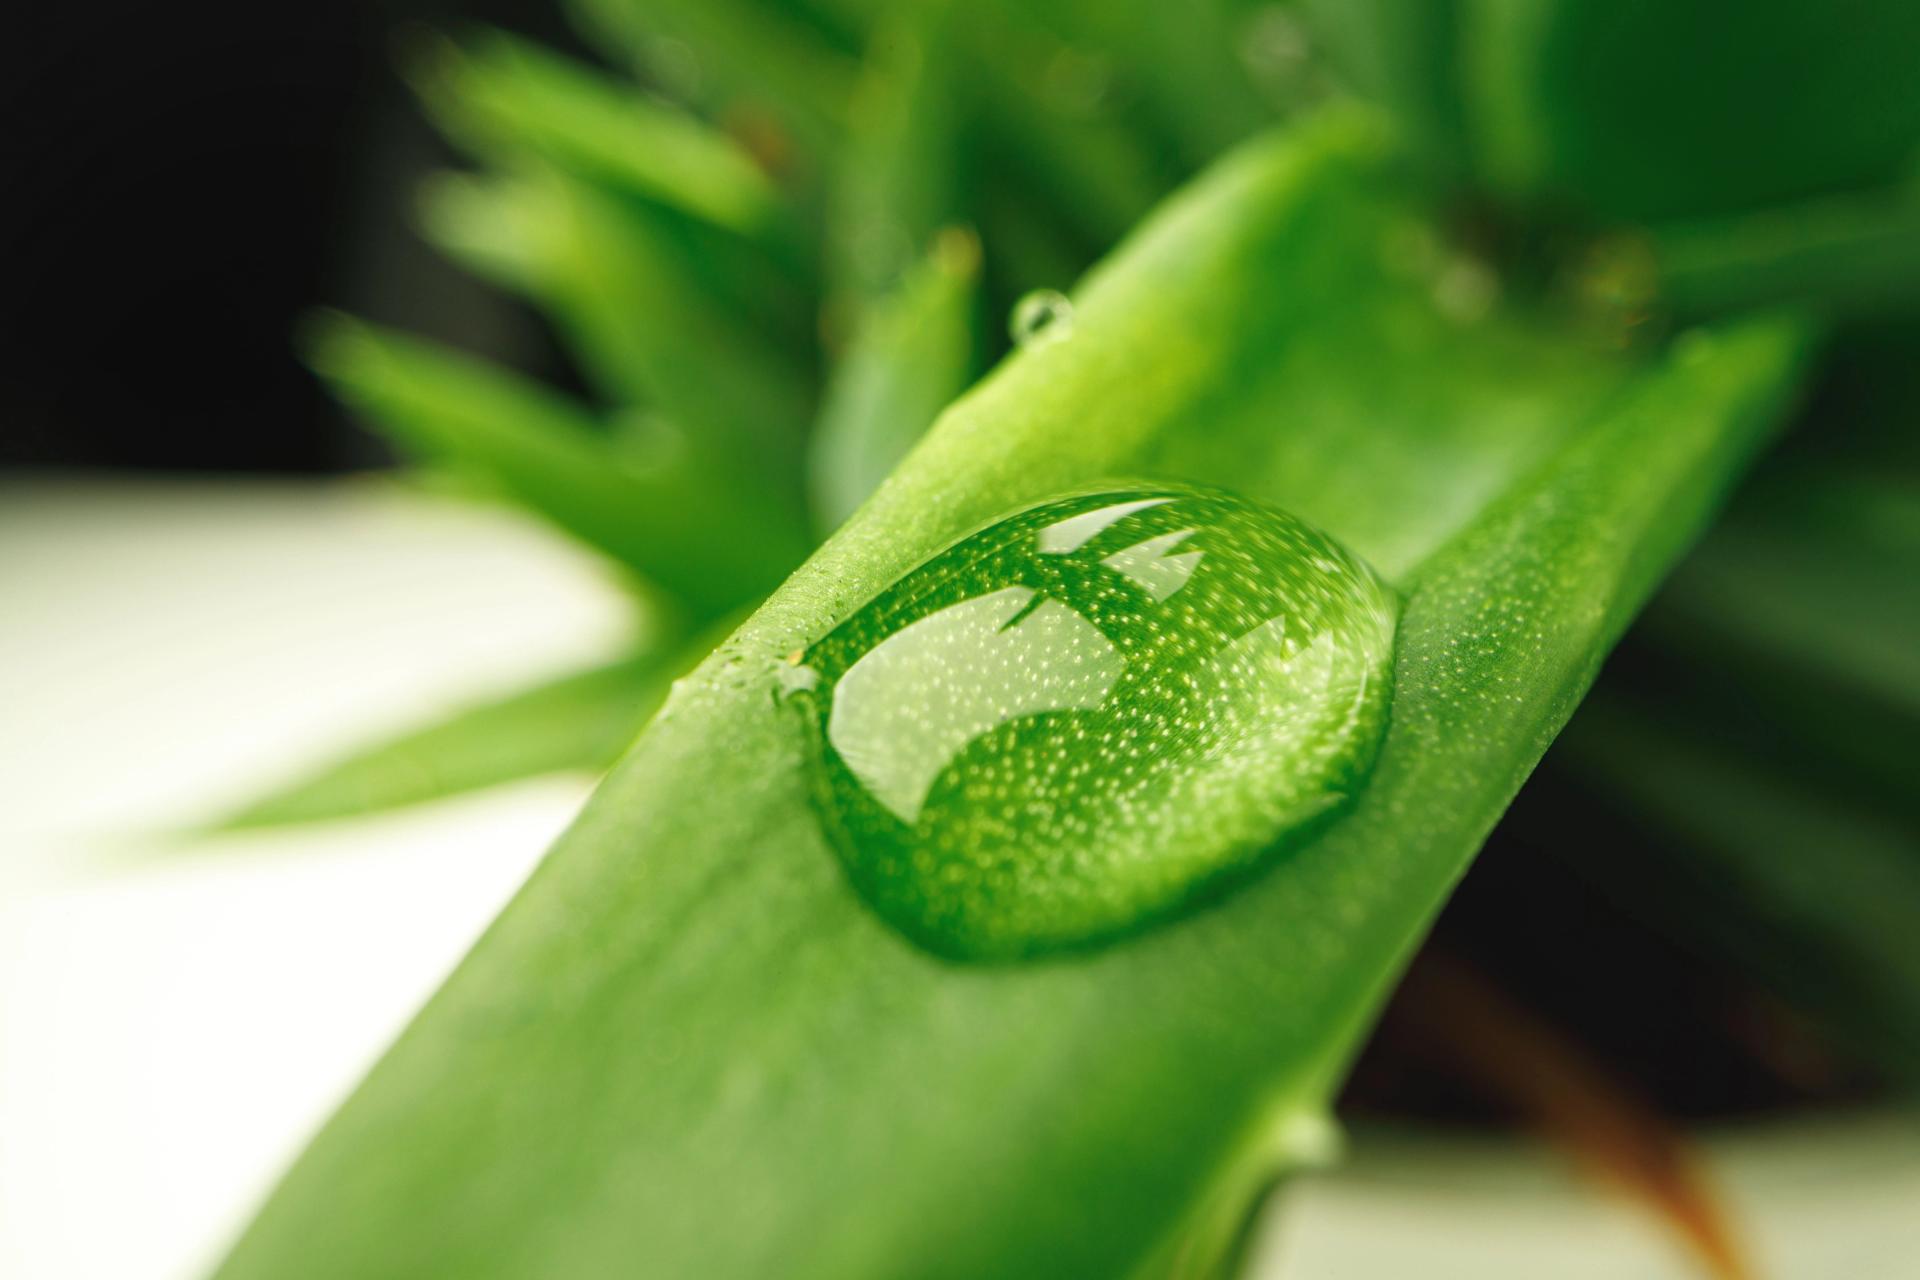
(181, 182)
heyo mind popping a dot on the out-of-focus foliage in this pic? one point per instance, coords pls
(1111, 1112)
(580, 721)
(1644, 109)
(773, 243)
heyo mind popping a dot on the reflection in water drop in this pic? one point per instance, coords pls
(1149, 564)
(1083, 717)
(897, 718)
(1045, 315)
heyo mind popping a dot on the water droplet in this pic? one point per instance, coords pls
(1045, 315)
(1093, 713)
(794, 678)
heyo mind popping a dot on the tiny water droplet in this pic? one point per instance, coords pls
(1092, 713)
(794, 678)
(1044, 315)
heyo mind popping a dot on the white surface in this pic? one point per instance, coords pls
(1807, 1201)
(175, 1019)
(167, 649)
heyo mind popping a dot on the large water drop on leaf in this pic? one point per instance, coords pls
(1093, 713)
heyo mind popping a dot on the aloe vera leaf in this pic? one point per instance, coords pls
(522, 108)
(1184, 61)
(912, 354)
(687, 1049)
(493, 229)
(1849, 255)
(896, 180)
(579, 722)
(906, 288)
(1638, 109)
(501, 93)
(699, 536)
(1402, 56)
(1036, 124)
(626, 287)
(732, 57)
(1042, 107)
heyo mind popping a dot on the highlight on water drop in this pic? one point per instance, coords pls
(1093, 714)
(1044, 315)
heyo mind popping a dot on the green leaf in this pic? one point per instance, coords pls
(1046, 118)
(498, 230)
(1637, 109)
(688, 1049)
(897, 179)
(1852, 254)
(736, 58)
(509, 95)
(700, 536)
(1629, 110)
(911, 318)
(579, 722)
(1183, 61)
(912, 354)
(632, 289)
(1402, 55)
